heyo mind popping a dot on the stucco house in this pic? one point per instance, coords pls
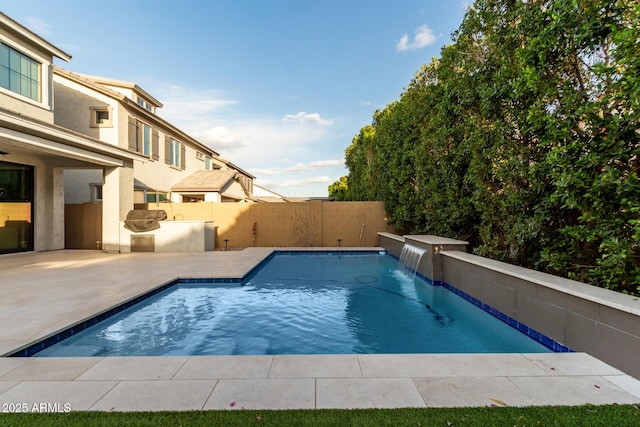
(70, 139)
(123, 114)
(35, 151)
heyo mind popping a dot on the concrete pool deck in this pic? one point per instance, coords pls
(43, 293)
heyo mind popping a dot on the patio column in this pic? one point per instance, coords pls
(57, 236)
(117, 201)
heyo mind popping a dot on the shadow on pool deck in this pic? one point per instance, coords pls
(45, 292)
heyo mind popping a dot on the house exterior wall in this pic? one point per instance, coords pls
(32, 139)
(78, 185)
(76, 96)
(76, 99)
(73, 110)
(161, 176)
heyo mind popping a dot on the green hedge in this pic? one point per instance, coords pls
(523, 138)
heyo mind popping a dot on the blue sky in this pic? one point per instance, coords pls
(278, 87)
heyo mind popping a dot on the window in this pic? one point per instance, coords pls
(19, 73)
(143, 138)
(101, 117)
(144, 104)
(207, 163)
(96, 192)
(174, 152)
(16, 207)
(146, 139)
(157, 197)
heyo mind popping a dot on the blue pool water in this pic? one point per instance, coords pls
(302, 304)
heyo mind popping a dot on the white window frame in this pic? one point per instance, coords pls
(175, 147)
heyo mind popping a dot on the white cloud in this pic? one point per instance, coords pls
(423, 37)
(281, 148)
(223, 138)
(38, 26)
(212, 118)
(184, 106)
(300, 167)
(303, 117)
(306, 182)
(267, 172)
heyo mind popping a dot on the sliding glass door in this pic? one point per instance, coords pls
(16, 207)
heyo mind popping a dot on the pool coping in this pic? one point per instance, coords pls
(266, 382)
(32, 349)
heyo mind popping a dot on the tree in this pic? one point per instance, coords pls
(360, 158)
(339, 189)
(523, 138)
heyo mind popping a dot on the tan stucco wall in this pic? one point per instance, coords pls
(73, 110)
(77, 188)
(314, 223)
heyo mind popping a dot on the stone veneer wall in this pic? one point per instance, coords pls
(600, 322)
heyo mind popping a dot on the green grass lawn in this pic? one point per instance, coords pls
(590, 415)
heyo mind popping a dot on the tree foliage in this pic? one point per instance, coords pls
(523, 138)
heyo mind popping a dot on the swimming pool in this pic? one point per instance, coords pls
(302, 304)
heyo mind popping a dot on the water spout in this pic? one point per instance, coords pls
(410, 259)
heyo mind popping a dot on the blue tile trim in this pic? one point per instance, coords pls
(530, 332)
(39, 346)
(331, 252)
(47, 342)
(209, 280)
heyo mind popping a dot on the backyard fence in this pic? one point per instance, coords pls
(239, 225)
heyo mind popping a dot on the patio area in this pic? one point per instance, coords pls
(45, 292)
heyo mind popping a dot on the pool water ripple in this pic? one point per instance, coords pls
(302, 304)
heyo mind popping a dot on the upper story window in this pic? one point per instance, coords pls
(207, 163)
(101, 117)
(19, 73)
(143, 139)
(174, 153)
(144, 104)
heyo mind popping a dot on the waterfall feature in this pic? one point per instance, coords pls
(409, 259)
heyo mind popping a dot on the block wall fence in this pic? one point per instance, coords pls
(312, 223)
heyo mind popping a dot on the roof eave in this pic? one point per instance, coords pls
(30, 35)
